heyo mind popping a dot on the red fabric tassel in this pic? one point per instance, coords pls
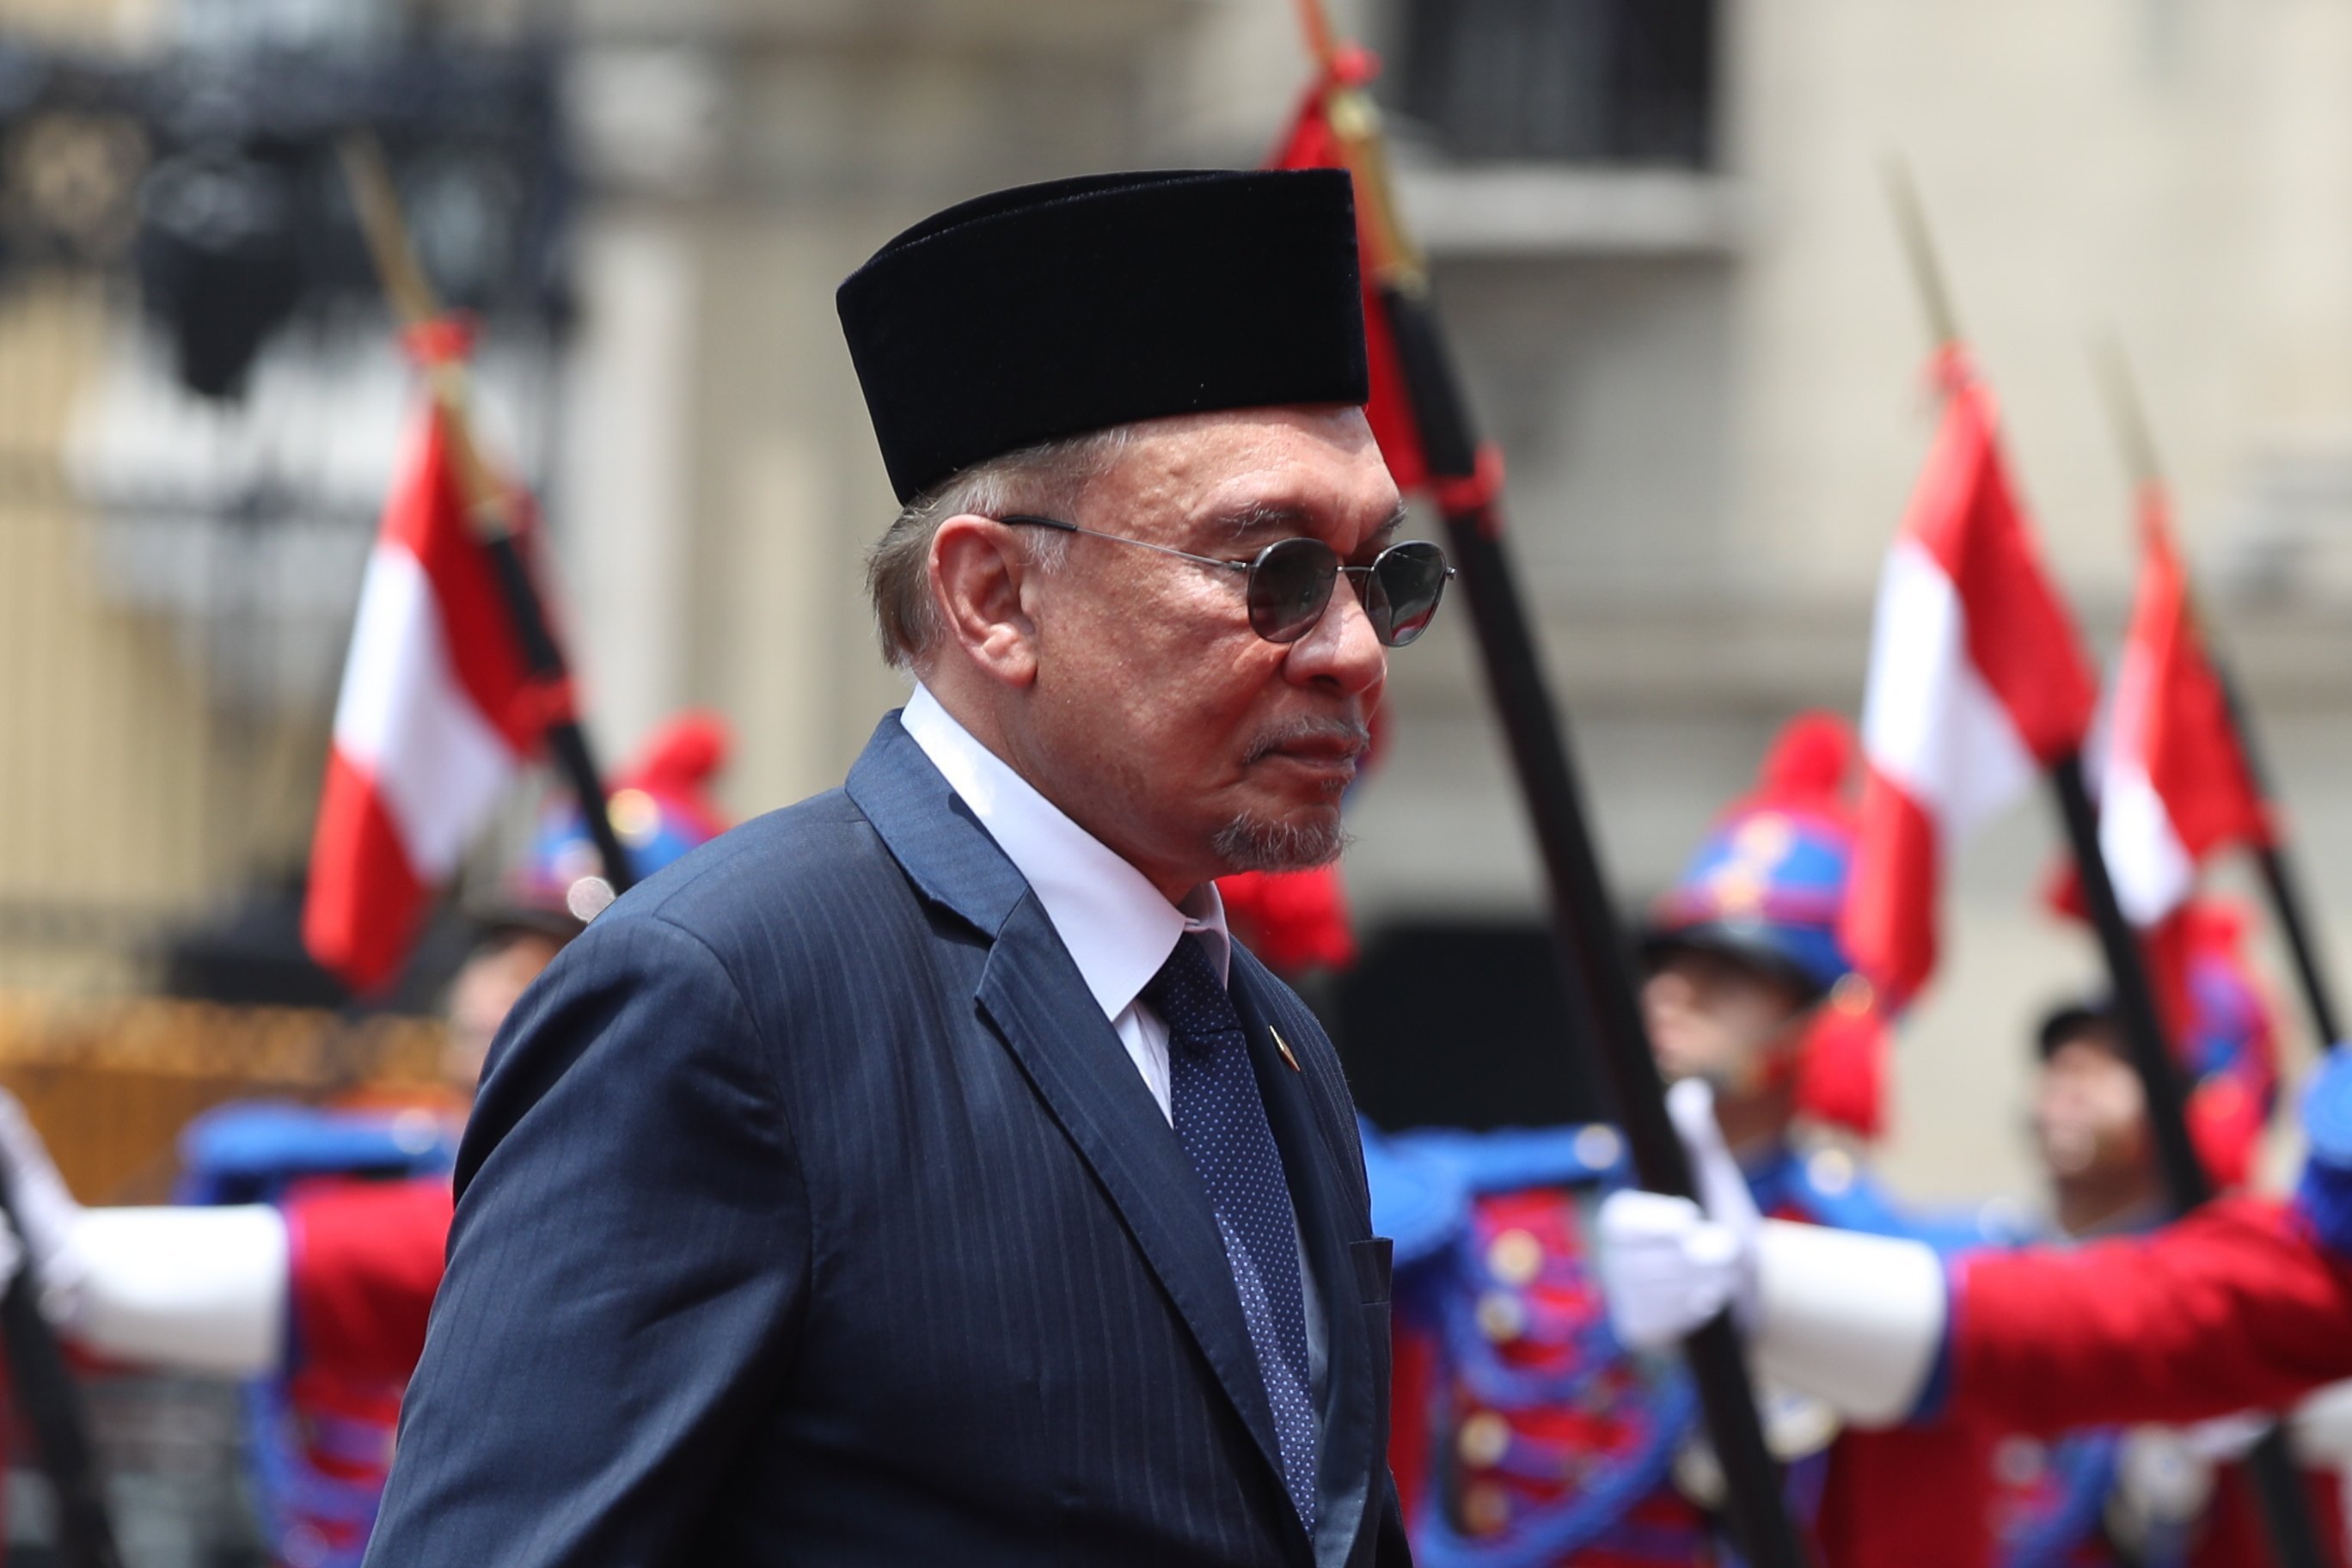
(1842, 1065)
(1294, 920)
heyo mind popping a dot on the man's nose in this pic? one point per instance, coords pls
(1342, 648)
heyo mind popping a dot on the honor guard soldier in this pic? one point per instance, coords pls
(1527, 1433)
(2244, 1304)
(312, 1259)
(2105, 1497)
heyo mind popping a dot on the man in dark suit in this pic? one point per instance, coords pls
(920, 1174)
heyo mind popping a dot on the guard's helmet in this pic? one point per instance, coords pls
(1769, 885)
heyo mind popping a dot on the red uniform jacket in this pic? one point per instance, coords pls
(364, 1259)
(2235, 1308)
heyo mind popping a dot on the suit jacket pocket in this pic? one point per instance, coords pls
(1373, 1258)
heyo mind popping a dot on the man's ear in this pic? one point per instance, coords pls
(976, 569)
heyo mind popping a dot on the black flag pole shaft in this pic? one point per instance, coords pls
(1594, 955)
(2286, 1512)
(2269, 1464)
(2278, 1481)
(489, 504)
(1592, 946)
(2186, 1182)
(2286, 901)
(46, 1391)
(2280, 883)
(2283, 888)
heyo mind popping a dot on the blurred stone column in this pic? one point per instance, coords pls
(720, 484)
(625, 490)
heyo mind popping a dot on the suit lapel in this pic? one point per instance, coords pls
(1032, 991)
(1309, 1163)
(933, 834)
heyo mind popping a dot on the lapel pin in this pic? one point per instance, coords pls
(1284, 1047)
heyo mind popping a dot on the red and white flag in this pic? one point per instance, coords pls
(2174, 784)
(1976, 683)
(435, 719)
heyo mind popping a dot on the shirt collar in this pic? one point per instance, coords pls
(1118, 928)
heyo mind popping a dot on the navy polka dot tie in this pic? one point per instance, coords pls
(1221, 1120)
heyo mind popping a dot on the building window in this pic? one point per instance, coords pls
(1587, 81)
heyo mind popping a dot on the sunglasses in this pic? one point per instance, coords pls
(1290, 582)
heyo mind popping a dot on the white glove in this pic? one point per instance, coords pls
(1854, 1319)
(1667, 1265)
(196, 1289)
(2321, 1428)
(2225, 1439)
(46, 1210)
(2164, 1478)
(12, 1254)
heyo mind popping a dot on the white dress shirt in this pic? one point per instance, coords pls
(1117, 927)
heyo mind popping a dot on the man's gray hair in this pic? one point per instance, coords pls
(1050, 478)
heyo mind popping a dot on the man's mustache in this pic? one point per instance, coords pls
(1351, 738)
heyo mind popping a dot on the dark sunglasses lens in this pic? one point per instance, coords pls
(1407, 582)
(1289, 585)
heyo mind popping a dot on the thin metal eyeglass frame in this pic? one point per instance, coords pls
(1359, 575)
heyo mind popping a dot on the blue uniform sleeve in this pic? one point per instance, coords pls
(2323, 1196)
(627, 1269)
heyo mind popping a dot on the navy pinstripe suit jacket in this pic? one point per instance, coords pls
(812, 1213)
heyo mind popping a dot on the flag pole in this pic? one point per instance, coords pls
(53, 1409)
(2135, 436)
(2185, 1179)
(490, 501)
(1592, 947)
(2279, 880)
(2269, 1464)
(1919, 250)
(2286, 1510)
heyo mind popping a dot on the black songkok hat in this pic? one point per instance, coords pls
(1054, 309)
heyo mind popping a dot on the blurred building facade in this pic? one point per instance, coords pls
(1660, 236)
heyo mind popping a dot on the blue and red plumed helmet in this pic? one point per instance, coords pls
(660, 807)
(2228, 1041)
(2228, 1026)
(1770, 885)
(1770, 882)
